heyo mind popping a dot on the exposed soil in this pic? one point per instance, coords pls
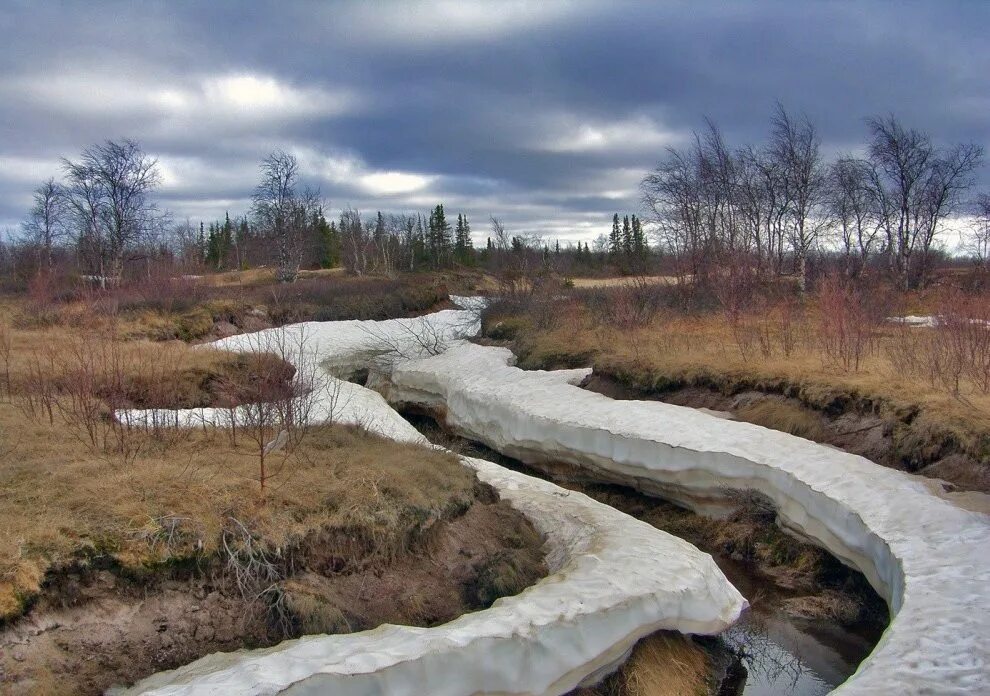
(93, 629)
(884, 438)
(811, 619)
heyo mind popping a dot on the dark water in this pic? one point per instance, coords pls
(787, 655)
(774, 654)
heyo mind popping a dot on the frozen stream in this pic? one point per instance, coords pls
(924, 553)
(781, 655)
(923, 550)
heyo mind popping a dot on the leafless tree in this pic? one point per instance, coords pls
(355, 241)
(978, 242)
(795, 148)
(184, 244)
(502, 241)
(855, 211)
(272, 409)
(109, 191)
(46, 223)
(916, 186)
(284, 212)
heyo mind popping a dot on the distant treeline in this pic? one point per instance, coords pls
(764, 210)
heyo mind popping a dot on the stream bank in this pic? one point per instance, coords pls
(887, 434)
(94, 626)
(811, 621)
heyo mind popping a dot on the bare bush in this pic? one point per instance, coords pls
(848, 321)
(954, 352)
(272, 409)
(6, 345)
(961, 342)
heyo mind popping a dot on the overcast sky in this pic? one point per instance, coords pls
(544, 113)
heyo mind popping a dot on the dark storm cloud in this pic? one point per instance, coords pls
(544, 113)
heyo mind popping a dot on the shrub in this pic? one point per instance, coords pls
(849, 319)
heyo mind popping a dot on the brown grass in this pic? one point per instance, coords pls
(622, 281)
(62, 502)
(784, 416)
(60, 505)
(673, 350)
(196, 308)
(663, 664)
(666, 664)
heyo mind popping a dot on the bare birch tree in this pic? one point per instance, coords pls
(916, 186)
(47, 221)
(109, 191)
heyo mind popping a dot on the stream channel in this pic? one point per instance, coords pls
(772, 653)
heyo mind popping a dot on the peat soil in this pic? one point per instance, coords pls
(880, 437)
(95, 628)
(811, 619)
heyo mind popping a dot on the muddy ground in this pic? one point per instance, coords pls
(93, 629)
(869, 435)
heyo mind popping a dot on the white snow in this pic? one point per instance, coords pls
(613, 579)
(912, 320)
(929, 558)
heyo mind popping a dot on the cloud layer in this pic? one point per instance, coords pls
(546, 114)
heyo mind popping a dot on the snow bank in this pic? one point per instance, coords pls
(929, 558)
(613, 579)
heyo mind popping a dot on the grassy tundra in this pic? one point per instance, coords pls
(142, 548)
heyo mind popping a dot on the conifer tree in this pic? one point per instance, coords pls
(640, 247)
(201, 242)
(329, 240)
(213, 248)
(468, 243)
(241, 239)
(463, 249)
(440, 241)
(420, 250)
(614, 238)
(226, 240)
(627, 240)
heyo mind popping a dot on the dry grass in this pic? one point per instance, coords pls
(666, 664)
(784, 416)
(623, 281)
(64, 503)
(262, 276)
(200, 307)
(663, 664)
(59, 505)
(674, 350)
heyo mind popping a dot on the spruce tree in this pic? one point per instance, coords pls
(463, 249)
(226, 241)
(241, 239)
(329, 240)
(459, 239)
(627, 240)
(615, 239)
(201, 243)
(640, 247)
(468, 244)
(420, 249)
(441, 243)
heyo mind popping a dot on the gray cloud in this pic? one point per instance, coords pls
(546, 114)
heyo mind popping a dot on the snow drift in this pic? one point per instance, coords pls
(928, 557)
(613, 579)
